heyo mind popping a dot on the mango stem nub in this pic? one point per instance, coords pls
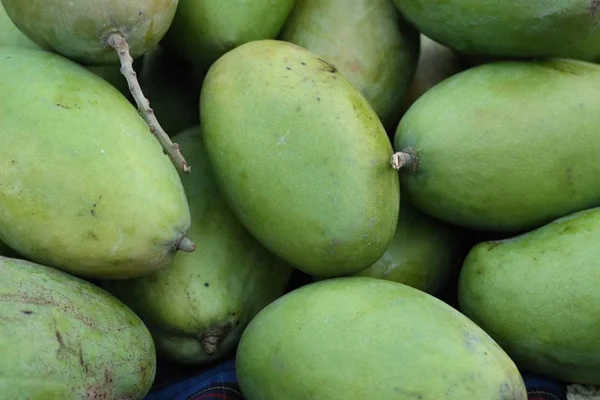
(401, 160)
(186, 245)
(119, 43)
(210, 344)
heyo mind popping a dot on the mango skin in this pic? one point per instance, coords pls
(424, 253)
(532, 29)
(369, 42)
(10, 35)
(64, 338)
(204, 30)
(214, 291)
(366, 338)
(301, 157)
(85, 187)
(537, 295)
(505, 146)
(78, 29)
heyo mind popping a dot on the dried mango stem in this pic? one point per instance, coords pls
(401, 160)
(210, 344)
(119, 43)
(186, 245)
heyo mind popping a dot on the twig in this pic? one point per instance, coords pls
(119, 43)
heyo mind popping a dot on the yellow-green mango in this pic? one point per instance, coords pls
(64, 338)
(79, 29)
(367, 41)
(505, 146)
(301, 157)
(424, 252)
(204, 30)
(537, 295)
(364, 338)
(198, 307)
(84, 186)
(522, 28)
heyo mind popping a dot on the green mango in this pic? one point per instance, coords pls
(174, 87)
(204, 30)
(364, 338)
(424, 252)
(79, 29)
(198, 307)
(506, 146)
(10, 35)
(65, 338)
(537, 295)
(369, 42)
(436, 63)
(301, 157)
(84, 186)
(559, 28)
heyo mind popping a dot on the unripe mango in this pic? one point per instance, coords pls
(64, 338)
(522, 28)
(506, 146)
(537, 295)
(79, 29)
(300, 156)
(83, 185)
(204, 30)
(198, 307)
(364, 338)
(367, 40)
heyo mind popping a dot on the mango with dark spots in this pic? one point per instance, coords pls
(425, 253)
(368, 41)
(536, 294)
(78, 29)
(301, 157)
(84, 186)
(530, 29)
(64, 338)
(505, 146)
(204, 30)
(365, 338)
(198, 307)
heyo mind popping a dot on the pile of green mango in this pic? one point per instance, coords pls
(388, 199)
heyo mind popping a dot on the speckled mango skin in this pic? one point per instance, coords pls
(204, 30)
(524, 28)
(301, 157)
(505, 146)
(84, 186)
(537, 295)
(424, 252)
(366, 338)
(368, 41)
(214, 291)
(77, 29)
(64, 338)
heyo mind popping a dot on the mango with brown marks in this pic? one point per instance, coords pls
(365, 338)
(83, 185)
(368, 41)
(300, 156)
(506, 146)
(64, 338)
(198, 307)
